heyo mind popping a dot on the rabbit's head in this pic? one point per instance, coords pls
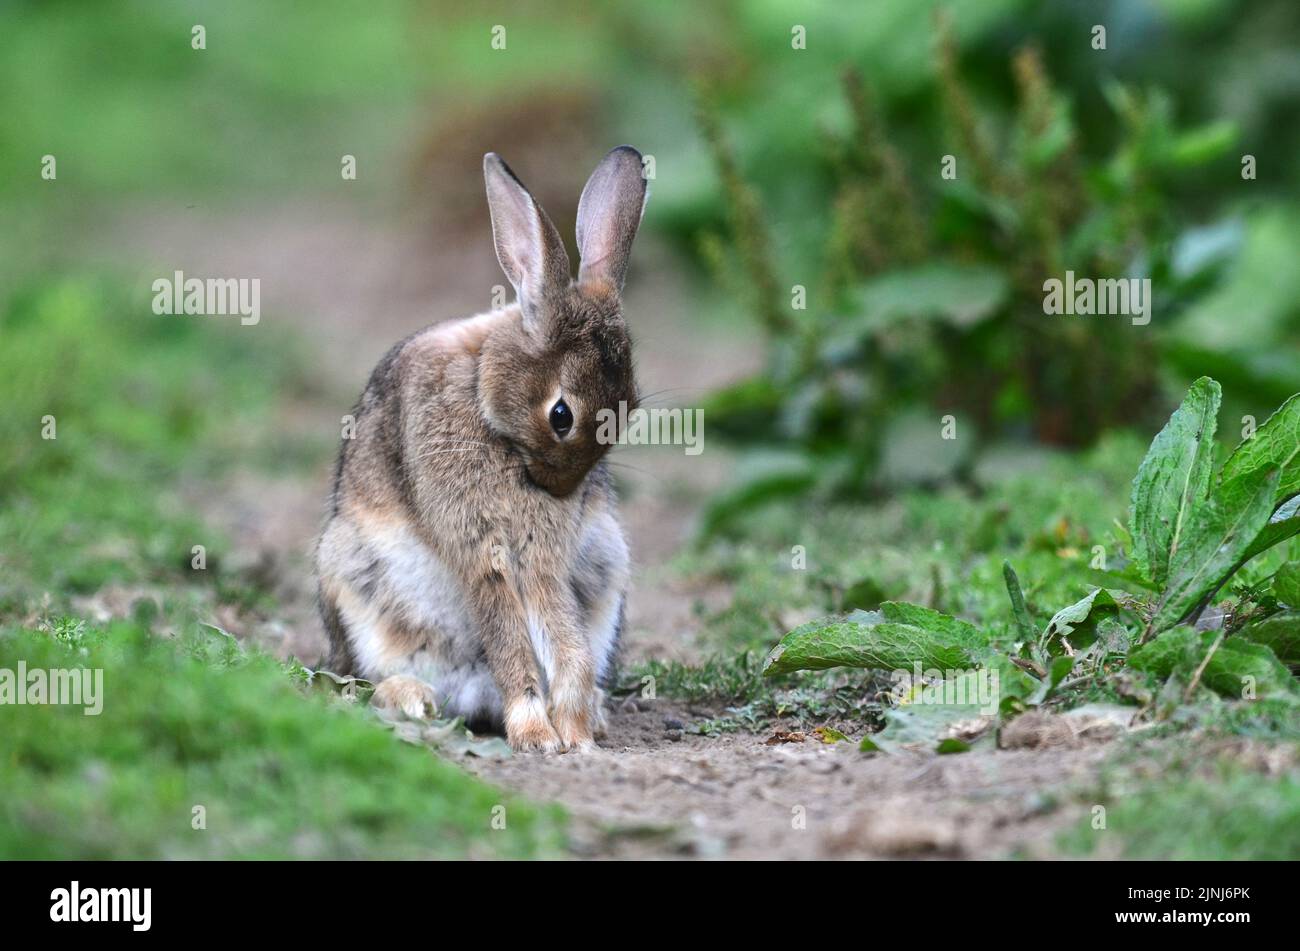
(543, 387)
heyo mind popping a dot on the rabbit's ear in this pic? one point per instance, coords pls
(528, 246)
(608, 215)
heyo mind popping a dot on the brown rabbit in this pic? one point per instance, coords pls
(472, 560)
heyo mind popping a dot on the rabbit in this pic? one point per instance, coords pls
(472, 561)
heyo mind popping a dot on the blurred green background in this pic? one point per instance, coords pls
(774, 167)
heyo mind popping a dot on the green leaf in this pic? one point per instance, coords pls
(1286, 584)
(1173, 479)
(828, 734)
(1203, 144)
(961, 294)
(1283, 524)
(1064, 621)
(944, 625)
(1280, 633)
(930, 726)
(1217, 536)
(1018, 610)
(879, 641)
(349, 687)
(1112, 638)
(1236, 665)
(1275, 445)
(765, 478)
(745, 410)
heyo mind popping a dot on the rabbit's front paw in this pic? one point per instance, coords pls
(529, 728)
(573, 724)
(407, 695)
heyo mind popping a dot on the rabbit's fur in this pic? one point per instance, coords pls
(472, 560)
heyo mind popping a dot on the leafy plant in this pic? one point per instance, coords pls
(931, 286)
(1192, 530)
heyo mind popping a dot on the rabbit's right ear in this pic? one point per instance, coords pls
(609, 212)
(528, 246)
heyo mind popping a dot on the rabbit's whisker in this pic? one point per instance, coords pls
(671, 389)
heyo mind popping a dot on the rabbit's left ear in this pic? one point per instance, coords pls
(529, 248)
(609, 213)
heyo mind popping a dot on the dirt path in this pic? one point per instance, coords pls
(351, 289)
(654, 792)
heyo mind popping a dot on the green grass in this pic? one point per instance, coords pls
(150, 412)
(1216, 807)
(141, 406)
(280, 774)
(125, 104)
(943, 548)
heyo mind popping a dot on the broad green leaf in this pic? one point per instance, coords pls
(765, 478)
(349, 687)
(1173, 479)
(1067, 619)
(1237, 668)
(1283, 524)
(934, 641)
(1275, 445)
(1240, 324)
(960, 294)
(450, 737)
(1217, 536)
(944, 625)
(1281, 633)
(1286, 584)
(745, 410)
(930, 726)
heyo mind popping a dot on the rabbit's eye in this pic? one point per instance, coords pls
(561, 418)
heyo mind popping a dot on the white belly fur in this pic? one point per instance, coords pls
(450, 659)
